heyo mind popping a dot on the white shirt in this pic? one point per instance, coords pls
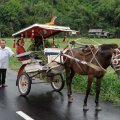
(4, 57)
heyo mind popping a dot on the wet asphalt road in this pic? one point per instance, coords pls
(44, 104)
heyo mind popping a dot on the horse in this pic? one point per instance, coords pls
(99, 58)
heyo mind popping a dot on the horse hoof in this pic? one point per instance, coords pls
(97, 108)
(85, 108)
(70, 99)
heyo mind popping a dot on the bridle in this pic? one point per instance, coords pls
(116, 59)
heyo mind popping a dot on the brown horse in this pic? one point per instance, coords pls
(100, 57)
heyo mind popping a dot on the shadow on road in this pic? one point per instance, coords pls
(95, 115)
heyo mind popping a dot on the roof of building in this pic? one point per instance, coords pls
(95, 30)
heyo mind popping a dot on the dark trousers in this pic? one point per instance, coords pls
(2, 76)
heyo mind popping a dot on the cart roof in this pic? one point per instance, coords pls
(43, 30)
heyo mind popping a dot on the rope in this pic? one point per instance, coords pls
(74, 57)
(96, 59)
(90, 63)
(84, 62)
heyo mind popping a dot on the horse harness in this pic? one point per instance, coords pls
(85, 51)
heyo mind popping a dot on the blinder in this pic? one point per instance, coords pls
(116, 59)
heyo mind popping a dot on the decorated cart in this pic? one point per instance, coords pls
(31, 66)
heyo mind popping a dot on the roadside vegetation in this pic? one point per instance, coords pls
(110, 90)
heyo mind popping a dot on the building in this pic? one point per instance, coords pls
(99, 33)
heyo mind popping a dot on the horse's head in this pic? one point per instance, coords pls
(115, 61)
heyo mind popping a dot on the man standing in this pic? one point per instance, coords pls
(5, 53)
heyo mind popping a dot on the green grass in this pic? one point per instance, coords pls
(99, 41)
(110, 89)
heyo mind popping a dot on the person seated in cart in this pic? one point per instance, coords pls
(20, 50)
(20, 47)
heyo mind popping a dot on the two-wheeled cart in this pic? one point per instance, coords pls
(31, 69)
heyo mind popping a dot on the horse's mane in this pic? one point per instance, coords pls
(105, 47)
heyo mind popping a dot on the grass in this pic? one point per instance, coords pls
(110, 89)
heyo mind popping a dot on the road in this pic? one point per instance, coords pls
(44, 104)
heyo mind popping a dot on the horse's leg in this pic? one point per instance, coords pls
(69, 75)
(70, 98)
(90, 79)
(98, 85)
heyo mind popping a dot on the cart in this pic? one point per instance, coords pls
(32, 67)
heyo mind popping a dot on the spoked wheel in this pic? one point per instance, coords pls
(24, 84)
(57, 82)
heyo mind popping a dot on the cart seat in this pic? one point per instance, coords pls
(53, 54)
(52, 51)
(26, 58)
(24, 54)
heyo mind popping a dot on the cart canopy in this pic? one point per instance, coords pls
(43, 30)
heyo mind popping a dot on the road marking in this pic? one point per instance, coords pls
(23, 115)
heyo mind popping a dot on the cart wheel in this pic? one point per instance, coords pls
(24, 84)
(57, 82)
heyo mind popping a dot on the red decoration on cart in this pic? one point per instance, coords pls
(14, 44)
(64, 39)
(52, 21)
(21, 41)
(32, 36)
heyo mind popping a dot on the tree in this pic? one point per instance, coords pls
(78, 14)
